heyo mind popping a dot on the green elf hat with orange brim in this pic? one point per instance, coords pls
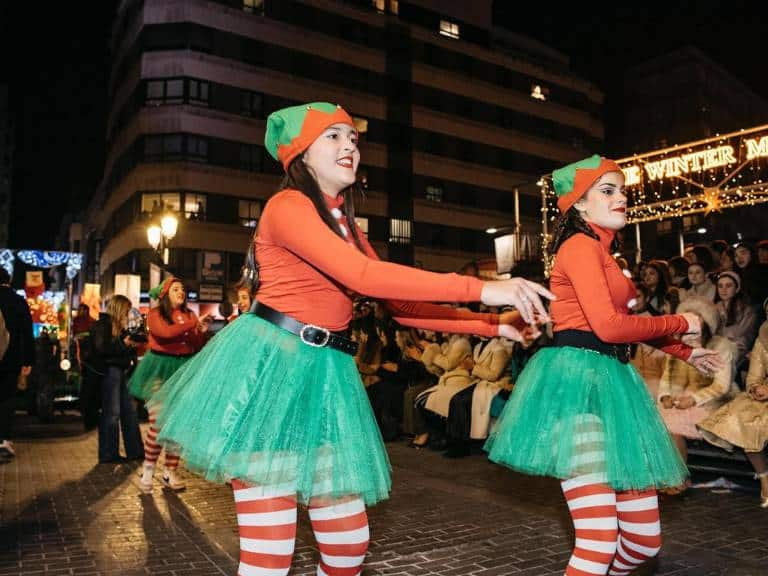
(572, 181)
(290, 131)
(162, 289)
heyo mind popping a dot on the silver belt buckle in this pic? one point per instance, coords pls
(304, 338)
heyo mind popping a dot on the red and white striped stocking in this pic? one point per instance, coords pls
(639, 530)
(341, 531)
(266, 518)
(593, 508)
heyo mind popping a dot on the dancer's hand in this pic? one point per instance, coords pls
(706, 361)
(520, 293)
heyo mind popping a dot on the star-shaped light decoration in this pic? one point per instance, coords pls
(712, 199)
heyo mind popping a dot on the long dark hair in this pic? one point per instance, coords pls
(569, 224)
(166, 308)
(298, 177)
(734, 308)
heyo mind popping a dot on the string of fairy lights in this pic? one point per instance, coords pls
(706, 176)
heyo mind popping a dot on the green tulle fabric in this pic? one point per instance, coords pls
(259, 405)
(574, 412)
(152, 371)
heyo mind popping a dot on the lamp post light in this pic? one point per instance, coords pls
(160, 236)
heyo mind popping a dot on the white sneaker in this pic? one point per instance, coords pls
(145, 482)
(172, 480)
(6, 449)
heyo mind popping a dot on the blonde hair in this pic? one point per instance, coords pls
(117, 309)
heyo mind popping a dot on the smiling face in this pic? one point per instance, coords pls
(243, 301)
(605, 204)
(650, 277)
(176, 294)
(333, 158)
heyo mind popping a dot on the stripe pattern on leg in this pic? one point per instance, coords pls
(341, 531)
(639, 530)
(267, 523)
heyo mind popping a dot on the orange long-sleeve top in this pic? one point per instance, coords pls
(593, 295)
(310, 273)
(182, 338)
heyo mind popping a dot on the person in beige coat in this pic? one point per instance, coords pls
(743, 422)
(686, 396)
(489, 372)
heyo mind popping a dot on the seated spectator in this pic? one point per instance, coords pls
(678, 271)
(656, 280)
(685, 395)
(700, 284)
(727, 260)
(762, 252)
(743, 422)
(434, 402)
(754, 277)
(737, 318)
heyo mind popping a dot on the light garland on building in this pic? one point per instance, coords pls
(706, 176)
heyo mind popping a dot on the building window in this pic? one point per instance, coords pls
(194, 206)
(434, 193)
(161, 92)
(199, 92)
(197, 148)
(539, 92)
(153, 147)
(249, 212)
(253, 6)
(251, 103)
(153, 203)
(362, 224)
(449, 29)
(250, 158)
(384, 6)
(400, 231)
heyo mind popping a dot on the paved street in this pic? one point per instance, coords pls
(63, 514)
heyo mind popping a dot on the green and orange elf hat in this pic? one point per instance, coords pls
(572, 181)
(290, 131)
(162, 289)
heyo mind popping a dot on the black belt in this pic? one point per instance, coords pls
(172, 355)
(309, 333)
(588, 340)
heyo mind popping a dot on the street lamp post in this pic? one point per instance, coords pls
(160, 236)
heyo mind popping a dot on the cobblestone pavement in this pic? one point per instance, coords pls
(61, 513)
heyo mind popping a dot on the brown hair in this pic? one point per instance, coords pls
(118, 308)
(166, 308)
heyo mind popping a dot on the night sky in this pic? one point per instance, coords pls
(55, 57)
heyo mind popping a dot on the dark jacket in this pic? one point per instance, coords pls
(107, 350)
(18, 322)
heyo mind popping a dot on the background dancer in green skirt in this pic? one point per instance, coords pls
(580, 412)
(175, 334)
(274, 402)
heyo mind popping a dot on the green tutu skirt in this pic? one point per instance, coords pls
(575, 412)
(152, 371)
(260, 405)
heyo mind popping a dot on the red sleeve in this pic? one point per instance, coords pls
(581, 259)
(434, 317)
(291, 221)
(161, 329)
(672, 347)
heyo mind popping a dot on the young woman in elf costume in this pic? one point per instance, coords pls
(579, 411)
(275, 401)
(175, 335)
